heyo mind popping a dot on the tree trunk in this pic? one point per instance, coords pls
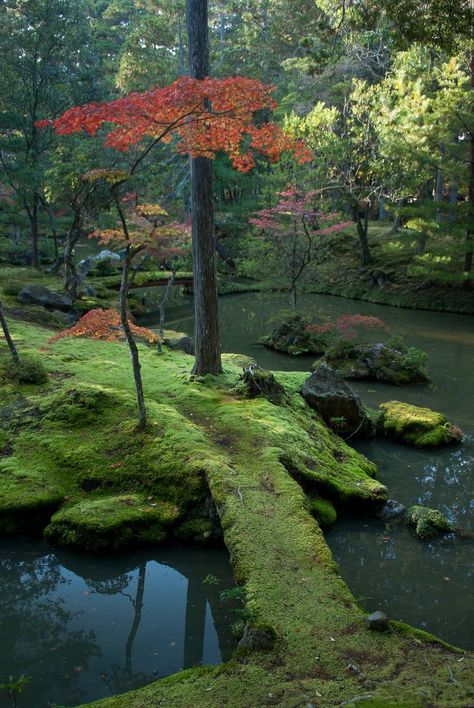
(132, 345)
(164, 301)
(453, 200)
(33, 213)
(9, 340)
(71, 279)
(206, 326)
(470, 225)
(439, 184)
(362, 232)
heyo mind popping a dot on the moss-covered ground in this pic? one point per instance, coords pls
(74, 439)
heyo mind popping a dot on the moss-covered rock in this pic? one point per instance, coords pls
(428, 522)
(323, 511)
(293, 337)
(378, 362)
(112, 523)
(417, 426)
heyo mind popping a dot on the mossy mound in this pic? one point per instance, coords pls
(112, 523)
(397, 365)
(27, 498)
(417, 426)
(29, 370)
(428, 523)
(323, 511)
(293, 337)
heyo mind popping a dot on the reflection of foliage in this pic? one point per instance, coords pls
(15, 686)
(37, 624)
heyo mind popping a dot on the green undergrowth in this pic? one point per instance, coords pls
(258, 460)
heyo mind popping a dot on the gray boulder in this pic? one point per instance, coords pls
(181, 342)
(39, 295)
(87, 264)
(338, 405)
(390, 510)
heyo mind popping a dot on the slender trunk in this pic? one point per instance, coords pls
(397, 220)
(35, 231)
(208, 356)
(439, 188)
(382, 210)
(453, 200)
(8, 339)
(164, 300)
(470, 227)
(71, 279)
(421, 245)
(362, 232)
(293, 296)
(132, 345)
(182, 63)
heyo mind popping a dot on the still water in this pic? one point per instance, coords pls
(83, 628)
(429, 585)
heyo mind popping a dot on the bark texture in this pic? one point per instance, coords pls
(208, 356)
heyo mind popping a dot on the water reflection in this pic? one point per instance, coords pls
(84, 628)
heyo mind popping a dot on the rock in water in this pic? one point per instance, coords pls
(39, 295)
(417, 426)
(378, 622)
(390, 510)
(428, 523)
(337, 404)
(377, 362)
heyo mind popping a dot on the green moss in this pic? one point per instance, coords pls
(202, 436)
(429, 523)
(30, 370)
(112, 523)
(323, 511)
(417, 426)
(27, 498)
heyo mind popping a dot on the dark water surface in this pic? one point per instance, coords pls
(83, 628)
(429, 585)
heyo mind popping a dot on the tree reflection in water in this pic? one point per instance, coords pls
(76, 625)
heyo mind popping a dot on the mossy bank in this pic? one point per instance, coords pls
(72, 439)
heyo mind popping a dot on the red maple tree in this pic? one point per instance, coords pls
(292, 227)
(104, 325)
(203, 117)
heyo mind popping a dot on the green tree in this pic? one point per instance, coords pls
(47, 63)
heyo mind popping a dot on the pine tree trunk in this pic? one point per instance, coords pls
(362, 232)
(453, 200)
(132, 345)
(208, 356)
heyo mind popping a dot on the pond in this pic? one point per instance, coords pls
(429, 585)
(82, 628)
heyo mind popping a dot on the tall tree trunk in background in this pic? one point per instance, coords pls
(453, 200)
(438, 196)
(470, 225)
(362, 232)
(206, 318)
(33, 217)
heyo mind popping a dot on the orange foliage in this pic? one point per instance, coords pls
(204, 117)
(104, 325)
